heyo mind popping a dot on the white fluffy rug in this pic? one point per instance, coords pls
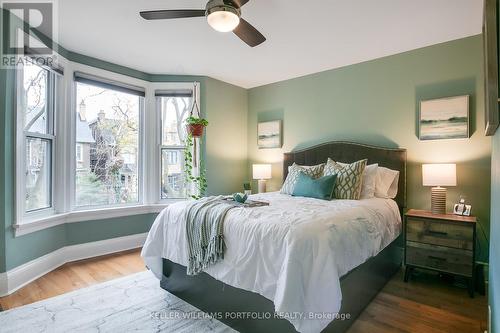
(134, 303)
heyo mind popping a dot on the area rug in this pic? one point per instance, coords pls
(134, 303)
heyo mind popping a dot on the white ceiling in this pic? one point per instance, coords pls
(303, 37)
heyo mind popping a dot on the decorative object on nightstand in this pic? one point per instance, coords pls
(247, 187)
(262, 172)
(438, 175)
(444, 243)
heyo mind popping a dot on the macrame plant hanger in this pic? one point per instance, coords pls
(194, 109)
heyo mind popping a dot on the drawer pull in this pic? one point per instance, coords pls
(438, 233)
(436, 258)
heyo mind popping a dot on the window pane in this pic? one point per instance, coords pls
(173, 183)
(38, 174)
(174, 111)
(107, 146)
(35, 84)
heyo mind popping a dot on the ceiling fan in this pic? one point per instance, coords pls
(222, 15)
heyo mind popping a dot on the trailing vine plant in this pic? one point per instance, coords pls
(195, 125)
(200, 181)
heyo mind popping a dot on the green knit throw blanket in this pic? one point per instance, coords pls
(205, 232)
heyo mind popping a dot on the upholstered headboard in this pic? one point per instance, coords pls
(349, 152)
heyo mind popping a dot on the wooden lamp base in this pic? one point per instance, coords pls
(438, 200)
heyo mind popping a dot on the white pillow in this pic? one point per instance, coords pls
(368, 181)
(386, 185)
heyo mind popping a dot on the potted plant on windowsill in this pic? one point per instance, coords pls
(195, 126)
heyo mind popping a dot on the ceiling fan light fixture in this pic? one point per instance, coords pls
(223, 19)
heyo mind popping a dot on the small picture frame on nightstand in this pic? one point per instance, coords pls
(461, 208)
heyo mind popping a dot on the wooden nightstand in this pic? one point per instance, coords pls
(444, 243)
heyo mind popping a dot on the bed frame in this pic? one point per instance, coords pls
(359, 286)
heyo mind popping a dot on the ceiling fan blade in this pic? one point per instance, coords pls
(249, 34)
(172, 14)
(240, 3)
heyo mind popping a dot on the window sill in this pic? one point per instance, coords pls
(34, 225)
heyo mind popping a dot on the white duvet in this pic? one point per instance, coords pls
(292, 252)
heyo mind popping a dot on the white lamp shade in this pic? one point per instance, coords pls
(439, 174)
(262, 171)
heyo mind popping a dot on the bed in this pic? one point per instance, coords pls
(322, 272)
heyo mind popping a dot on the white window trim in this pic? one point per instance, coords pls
(64, 210)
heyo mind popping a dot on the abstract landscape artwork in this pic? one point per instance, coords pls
(444, 118)
(269, 134)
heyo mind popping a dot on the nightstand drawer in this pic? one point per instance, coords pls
(439, 258)
(454, 235)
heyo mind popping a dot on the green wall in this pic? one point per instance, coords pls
(226, 138)
(376, 102)
(494, 279)
(225, 107)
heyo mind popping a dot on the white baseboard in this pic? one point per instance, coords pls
(18, 277)
(3, 284)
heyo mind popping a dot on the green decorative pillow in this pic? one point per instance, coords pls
(321, 188)
(349, 176)
(294, 170)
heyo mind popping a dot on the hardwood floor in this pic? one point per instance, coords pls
(76, 275)
(424, 304)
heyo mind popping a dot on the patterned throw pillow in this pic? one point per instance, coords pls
(294, 170)
(349, 176)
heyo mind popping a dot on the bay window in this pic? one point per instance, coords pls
(81, 149)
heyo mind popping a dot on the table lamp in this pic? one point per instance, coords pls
(261, 172)
(438, 175)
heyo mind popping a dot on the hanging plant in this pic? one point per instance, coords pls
(194, 127)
